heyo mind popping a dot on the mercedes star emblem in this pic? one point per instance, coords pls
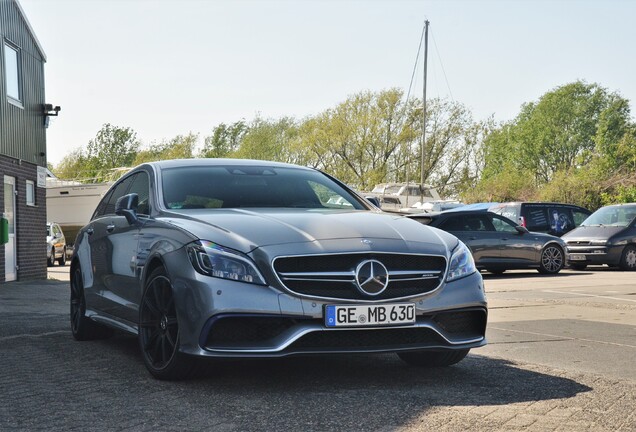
(372, 277)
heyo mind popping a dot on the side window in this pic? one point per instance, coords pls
(141, 187)
(119, 191)
(101, 207)
(510, 212)
(537, 220)
(560, 220)
(30, 193)
(579, 217)
(453, 224)
(12, 72)
(503, 225)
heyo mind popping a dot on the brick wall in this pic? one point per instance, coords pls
(30, 233)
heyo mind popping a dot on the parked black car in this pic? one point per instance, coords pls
(546, 217)
(608, 236)
(497, 243)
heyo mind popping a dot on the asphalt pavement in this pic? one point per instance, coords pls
(560, 358)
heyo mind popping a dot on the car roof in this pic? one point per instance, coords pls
(537, 203)
(178, 163)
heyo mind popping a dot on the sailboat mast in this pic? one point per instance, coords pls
(424, 105)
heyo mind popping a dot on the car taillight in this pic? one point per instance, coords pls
(522, 221)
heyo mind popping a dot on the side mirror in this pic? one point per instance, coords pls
(373, 200)
(127, 206)
(522, 230)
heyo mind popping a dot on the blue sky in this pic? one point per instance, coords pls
(166, 68)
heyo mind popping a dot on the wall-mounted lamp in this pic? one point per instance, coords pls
(49, 110)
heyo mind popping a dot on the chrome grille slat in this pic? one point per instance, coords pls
(334, 276)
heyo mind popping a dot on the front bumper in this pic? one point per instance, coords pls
(594, 255)
(223, 318)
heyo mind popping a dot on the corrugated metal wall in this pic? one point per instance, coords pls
(22, 132)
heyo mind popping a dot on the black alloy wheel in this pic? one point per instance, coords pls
(628, 258)
(441, 358)
(159, 330)
(552, 260)
(82, 327)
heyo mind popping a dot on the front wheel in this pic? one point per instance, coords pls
(628, 259)
(552, 260)
(82, 327)
(433, 358)
(159, 330)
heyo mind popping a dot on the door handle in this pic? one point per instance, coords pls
(472, 238)
(110, 227)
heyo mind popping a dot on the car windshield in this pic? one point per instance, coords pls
(611, 216)
(234, 186)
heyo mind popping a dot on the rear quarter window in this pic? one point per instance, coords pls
(537, 219)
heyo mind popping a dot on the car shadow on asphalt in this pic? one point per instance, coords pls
(529, 274)
(475, 381)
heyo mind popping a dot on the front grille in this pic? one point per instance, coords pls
(578, 243)
(334, 276)
(378, 339)
(266, 332)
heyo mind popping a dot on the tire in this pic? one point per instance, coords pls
(51, 261)
(433, 358)
(628, 259)
(552, 260)
(62, 261)
(578, 266)
(82, 327)
(159, 331)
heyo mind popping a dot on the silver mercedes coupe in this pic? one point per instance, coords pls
(239, 258)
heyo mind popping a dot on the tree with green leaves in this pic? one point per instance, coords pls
(179, 147)
(224, 141)
(572, 132)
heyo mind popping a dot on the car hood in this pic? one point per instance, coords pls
(246, 230)
(586, 233)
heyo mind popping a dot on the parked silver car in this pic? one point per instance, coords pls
(237, 258)
(55, 244)
(608, 236)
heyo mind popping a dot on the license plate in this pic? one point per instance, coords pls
(577, 257)
(369, 315)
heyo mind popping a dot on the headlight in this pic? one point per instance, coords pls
(598, 242)
(213, 260)
(461, 263)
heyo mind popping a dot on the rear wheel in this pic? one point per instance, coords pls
(578, 266)
(159, 331)
(552, 260)
(82, 327)
(433, 358)
(628, 259)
